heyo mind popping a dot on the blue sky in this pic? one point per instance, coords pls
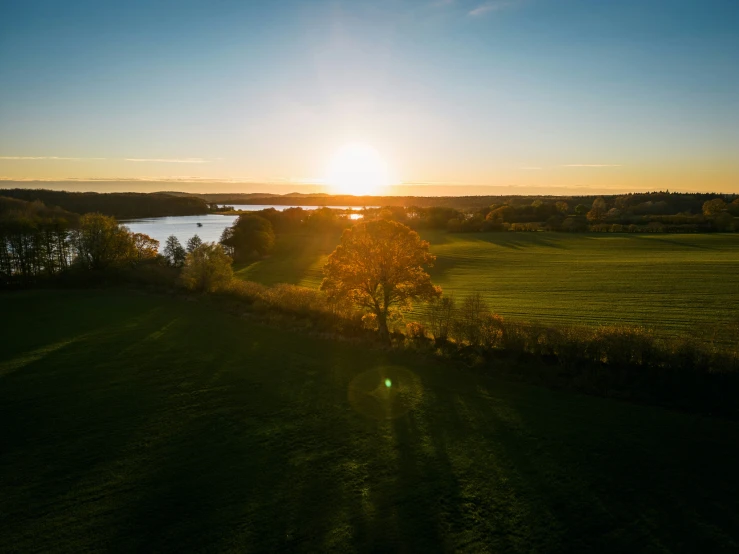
(603, 93)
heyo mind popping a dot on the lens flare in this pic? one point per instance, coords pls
(385, 392)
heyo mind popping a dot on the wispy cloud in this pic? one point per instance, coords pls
(592, 165)
(46, 158)
(493, 6)
(157, 160)
(170, 160)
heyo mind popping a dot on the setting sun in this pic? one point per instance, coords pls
(357, 169)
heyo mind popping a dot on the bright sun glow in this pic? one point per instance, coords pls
(357, 169)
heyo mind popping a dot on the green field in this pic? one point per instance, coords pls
(673, 283)
(145, 423)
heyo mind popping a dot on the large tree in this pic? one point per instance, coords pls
(101, 242)
(174, 252)
(249, 235)
(207, 268)
(380, 265)
(145, 247)
(598, 211)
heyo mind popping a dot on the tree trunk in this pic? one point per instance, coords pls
(382, 328)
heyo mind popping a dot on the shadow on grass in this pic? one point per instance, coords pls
(521, 240)
(674, 242)
(294, 255)
(213, 434)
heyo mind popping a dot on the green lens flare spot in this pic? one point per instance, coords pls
(388, 383)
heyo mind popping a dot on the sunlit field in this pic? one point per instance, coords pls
(138, 422)
(671, 283)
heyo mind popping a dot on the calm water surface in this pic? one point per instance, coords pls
(257, 207)
(185, 226)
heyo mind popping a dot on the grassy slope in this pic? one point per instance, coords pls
(297, 259)
(139, 423)
(674, 283)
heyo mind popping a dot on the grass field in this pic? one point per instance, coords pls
(144, 423)
(673, 283)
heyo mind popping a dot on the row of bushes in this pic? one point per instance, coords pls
(629, 362)
(688, 372)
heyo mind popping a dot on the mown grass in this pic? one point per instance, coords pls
(143, 423)
(676, 284)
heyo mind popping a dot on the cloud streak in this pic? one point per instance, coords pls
(592, 165)
(55, 158)
(488, 7)
(170, 160)
(66, 159)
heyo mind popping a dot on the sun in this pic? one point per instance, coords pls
(357, 169)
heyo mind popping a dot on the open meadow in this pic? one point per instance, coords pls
(675, 284)
(136, 422)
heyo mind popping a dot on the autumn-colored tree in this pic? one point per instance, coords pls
(207, 268)
(145, 247)
(380, 265)
(101, 242)
(714, 207)
(598, 211)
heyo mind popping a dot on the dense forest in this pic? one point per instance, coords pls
(623, 214)
(37, 241)
(122, 205)
(668, 202)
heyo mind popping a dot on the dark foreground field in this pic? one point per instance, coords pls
(141, 423)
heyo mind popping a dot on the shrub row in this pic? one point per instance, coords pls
(628, 362)
(699, 371)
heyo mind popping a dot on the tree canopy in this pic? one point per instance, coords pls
(118, 204)
(380, 265)
(100, 241)
(173, 251)
(207, 268)
(249, 235)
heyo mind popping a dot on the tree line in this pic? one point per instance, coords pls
(621, 214)
(121, 205)
(673, 202)
(38, 241)
(624, 214)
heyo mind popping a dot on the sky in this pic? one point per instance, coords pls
(454, 95)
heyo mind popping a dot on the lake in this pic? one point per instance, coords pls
(257, 207)
(185, 226)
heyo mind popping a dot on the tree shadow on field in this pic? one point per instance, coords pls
(521, 240)
(216, 437)
(435, 237)
(65, 419)
(673, 242)
(293, 257)
(431, 496)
